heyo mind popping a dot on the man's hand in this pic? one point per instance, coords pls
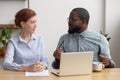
(57, 53)
(104, 60)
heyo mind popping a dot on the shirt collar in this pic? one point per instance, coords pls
(83, 34)
(33, 37)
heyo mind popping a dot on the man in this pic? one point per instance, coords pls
(80, 38)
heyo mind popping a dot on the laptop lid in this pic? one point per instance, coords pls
(76, 63)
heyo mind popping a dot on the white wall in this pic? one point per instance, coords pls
(113, 28)
(8, 10)
(53, 14)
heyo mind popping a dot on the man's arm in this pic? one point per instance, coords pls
(105, 56)
(106, 61)
(56, 64)
(57, 54)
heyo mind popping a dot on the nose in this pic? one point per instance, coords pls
(35, 25)
(69, 23)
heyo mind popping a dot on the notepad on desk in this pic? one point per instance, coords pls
(43, 73)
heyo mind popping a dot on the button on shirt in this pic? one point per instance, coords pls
(21, 53)
(85, 41)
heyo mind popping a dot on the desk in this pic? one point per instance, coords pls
(106, 74)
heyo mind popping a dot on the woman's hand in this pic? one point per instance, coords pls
(37, 66)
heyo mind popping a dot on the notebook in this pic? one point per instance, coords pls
(75, 63)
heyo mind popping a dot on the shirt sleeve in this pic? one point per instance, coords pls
(56, 64)
(104, 45)
(60, 43)
(8, 60)
(43, 59)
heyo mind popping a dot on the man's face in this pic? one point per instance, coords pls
(74, 23)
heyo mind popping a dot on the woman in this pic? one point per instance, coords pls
(25, 50)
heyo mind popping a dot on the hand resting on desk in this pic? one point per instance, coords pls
(35, 67)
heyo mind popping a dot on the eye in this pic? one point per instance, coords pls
(32, 22)
(73, 19)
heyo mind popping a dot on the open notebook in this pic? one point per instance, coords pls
(75, 63)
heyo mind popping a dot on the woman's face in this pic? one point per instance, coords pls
(30, 25)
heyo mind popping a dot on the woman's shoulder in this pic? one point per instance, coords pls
(14, 37)
(37, 36)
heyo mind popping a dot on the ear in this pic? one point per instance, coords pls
(84, 24)
(22, 23)
(83, 21)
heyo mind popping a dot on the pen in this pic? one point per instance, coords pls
(60, 44)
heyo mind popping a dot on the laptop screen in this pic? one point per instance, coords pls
(76, 63)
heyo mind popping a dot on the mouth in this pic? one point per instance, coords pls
(33, 29)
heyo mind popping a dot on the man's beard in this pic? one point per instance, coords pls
(74, 30)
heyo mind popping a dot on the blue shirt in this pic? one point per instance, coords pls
(85, 41)
(21, 53)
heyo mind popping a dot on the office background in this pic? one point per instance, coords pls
(52, 19)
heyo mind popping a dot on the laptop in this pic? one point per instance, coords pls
(75, 63)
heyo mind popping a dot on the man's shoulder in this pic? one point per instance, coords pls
(65, 35)
(94, 34)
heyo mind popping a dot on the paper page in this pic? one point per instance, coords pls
(43, 73)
